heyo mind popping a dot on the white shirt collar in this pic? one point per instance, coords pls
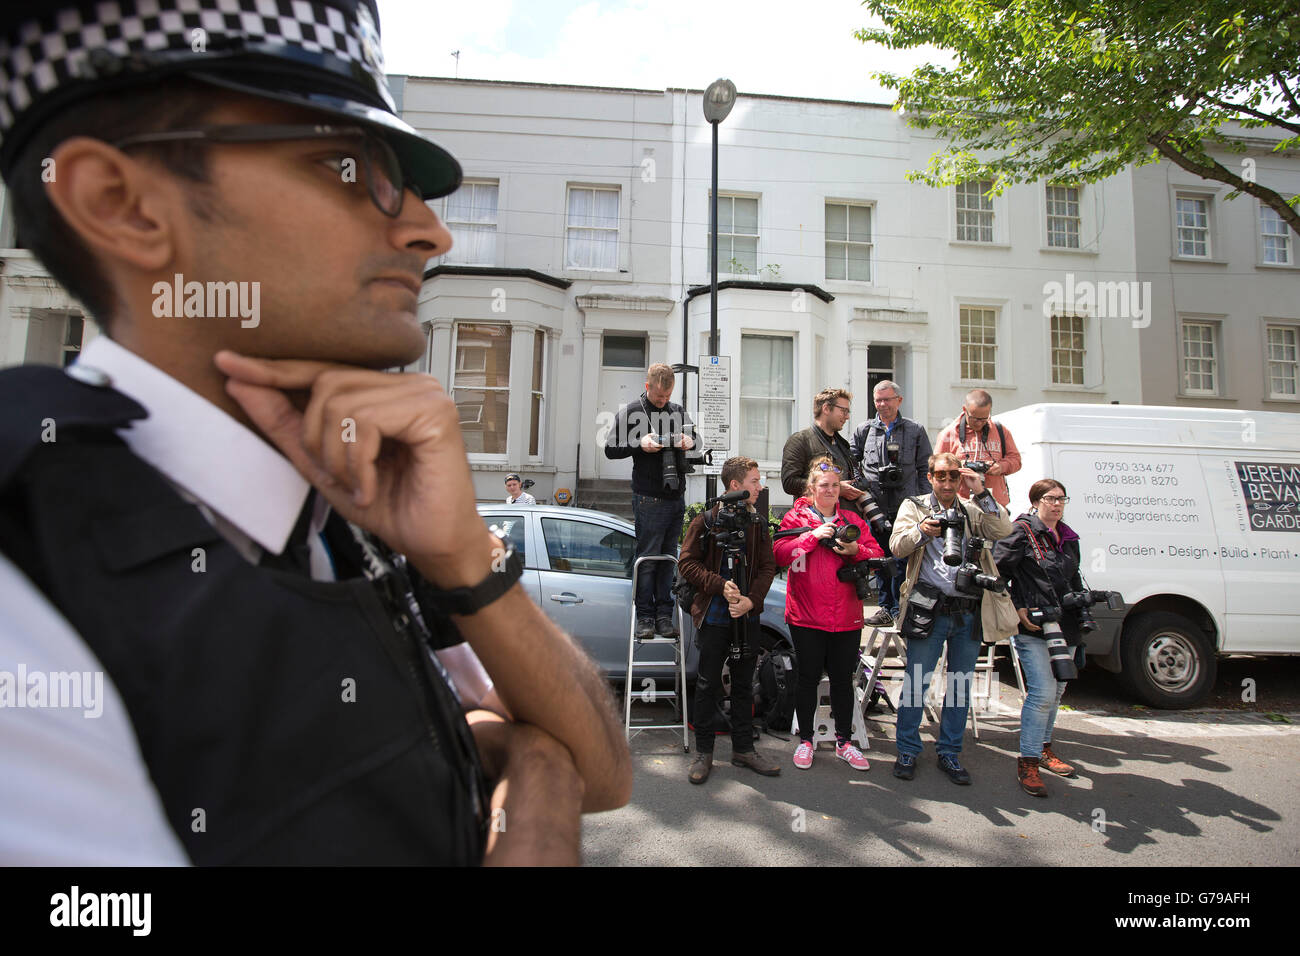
(200, 448)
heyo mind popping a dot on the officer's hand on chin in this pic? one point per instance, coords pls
(385, 450)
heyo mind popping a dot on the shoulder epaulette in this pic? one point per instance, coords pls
(41, 404)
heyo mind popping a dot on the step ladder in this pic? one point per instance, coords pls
(652, 693)
(824, 723)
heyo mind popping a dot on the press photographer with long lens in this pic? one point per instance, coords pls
(891, 452)
(951, 577)
(1040, 557)
(816, 540)
(656, 433)
(727, 557)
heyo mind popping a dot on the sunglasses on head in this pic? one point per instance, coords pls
(826, 466)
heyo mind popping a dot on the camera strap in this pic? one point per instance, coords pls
(1033, 540)
(1002, 437)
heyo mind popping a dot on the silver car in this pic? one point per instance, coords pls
(578, 568)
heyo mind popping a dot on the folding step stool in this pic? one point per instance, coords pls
(678, 663)
(824, 723)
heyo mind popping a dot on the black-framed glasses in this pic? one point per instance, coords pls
(827, 466)
(842, 408)
(385, 181)
(1056, 499)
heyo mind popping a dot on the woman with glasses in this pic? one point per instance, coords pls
(1040, 559)
(824, 613)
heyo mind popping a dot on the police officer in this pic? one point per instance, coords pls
(256, 534)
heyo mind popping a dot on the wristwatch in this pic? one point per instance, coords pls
(507, 568)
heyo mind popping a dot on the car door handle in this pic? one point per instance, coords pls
(568, 597)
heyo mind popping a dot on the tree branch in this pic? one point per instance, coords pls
(1269, 117)
(1286, 91)
(1214, 170)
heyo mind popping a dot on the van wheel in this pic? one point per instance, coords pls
(1169, 662)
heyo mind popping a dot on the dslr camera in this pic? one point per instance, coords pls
(1081, 601)
(859, 574)
(963, 554)
(979, 467)
(1060, 653)
(675, 464)
(891, 476)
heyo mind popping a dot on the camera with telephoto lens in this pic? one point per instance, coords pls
(1060, 653)
(859, 573)
(952, 525)
(672, 466)
(1081, 601)
(891, 476)
(979, 467)
(971, 579)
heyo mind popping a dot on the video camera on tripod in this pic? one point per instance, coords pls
(728, 530)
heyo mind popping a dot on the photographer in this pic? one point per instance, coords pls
(890, 450)
(823, 610)
(718, 603)
(976, 437)
(946, 585)
(1041, 559)
(655, 433)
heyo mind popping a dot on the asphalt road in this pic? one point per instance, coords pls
(1216, 786)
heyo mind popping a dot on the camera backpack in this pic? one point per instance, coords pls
(684, 591)
(775, 678)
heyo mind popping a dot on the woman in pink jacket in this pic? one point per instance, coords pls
(824, 613)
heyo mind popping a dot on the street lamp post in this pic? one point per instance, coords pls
(719, 98)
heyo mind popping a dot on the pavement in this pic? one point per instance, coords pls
(1215, 786)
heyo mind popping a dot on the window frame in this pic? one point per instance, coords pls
(617, 190)
(1286, 235)
(483, 456)
(724, 264)
(537, 392)
(870, 244)
(449, 258)
(1053, 349)
(741, 397)
(1215, 326)
(995, 236)
(1077, 217)
(545, 547)
(998, 310)
(1281, 326)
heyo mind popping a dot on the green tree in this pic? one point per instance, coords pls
(1078, 89)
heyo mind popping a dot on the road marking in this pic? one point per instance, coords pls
(1202, 724)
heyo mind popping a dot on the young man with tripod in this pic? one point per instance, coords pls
(732, 579)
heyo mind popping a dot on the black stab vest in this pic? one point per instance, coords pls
(235, 677)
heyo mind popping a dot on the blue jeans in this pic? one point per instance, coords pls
(1042, 695)
(658, 526)
(922, 656)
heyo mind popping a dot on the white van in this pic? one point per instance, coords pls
(1193, 514)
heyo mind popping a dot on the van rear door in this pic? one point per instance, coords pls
(1257, 511)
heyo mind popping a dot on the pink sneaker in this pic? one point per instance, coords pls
(803, 755)
(847, 752)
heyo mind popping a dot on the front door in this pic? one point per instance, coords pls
(622, 380)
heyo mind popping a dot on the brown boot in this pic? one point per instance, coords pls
(756, 762)
(1030, 781)
(1054, 764)
(700, 768)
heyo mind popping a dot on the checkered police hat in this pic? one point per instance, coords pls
(322, 55)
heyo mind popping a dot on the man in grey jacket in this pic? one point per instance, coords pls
(892, 452)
